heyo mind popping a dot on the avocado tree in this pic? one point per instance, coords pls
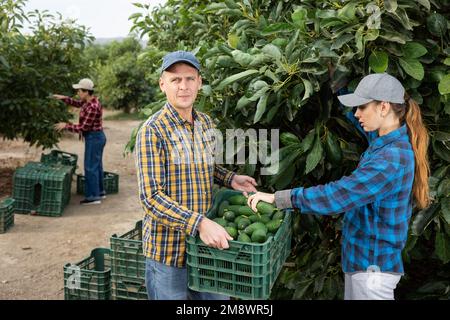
(32, 67)
(279, 64)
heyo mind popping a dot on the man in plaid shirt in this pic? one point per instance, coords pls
(176, 172)
(90, 127)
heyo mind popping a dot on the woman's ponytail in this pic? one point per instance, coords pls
(418, 136)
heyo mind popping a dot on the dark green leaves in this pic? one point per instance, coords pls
(236, 77)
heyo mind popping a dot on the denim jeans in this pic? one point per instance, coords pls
(170, 283)
(94, 142)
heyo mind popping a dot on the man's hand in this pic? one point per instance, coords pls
(59, 97)
(60, 126)
(244, 183)
(253, 200)
(213, 234)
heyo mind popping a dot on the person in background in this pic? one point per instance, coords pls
(91, 128)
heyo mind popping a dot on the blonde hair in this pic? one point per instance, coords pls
(409, 112)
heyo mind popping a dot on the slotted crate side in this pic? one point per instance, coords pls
(128, 288)
(93, 275)
(110, 183)
(245, 270)
(41, 188)
(126, 253)
(6, 214)
(61, 157)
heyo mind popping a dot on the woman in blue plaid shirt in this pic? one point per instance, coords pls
(377, 198)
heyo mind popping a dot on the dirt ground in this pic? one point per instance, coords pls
(34, 251)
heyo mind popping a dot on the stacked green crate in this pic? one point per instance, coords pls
(41, 188)
(6, 214)
(90, 279)
(128, 266)
(62, 158)
(110, 183)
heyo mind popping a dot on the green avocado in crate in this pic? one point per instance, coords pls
(42, 188)
(61, 157)
(6, 214)
(90, 279)
(249, 268)
(110, 183)
(128, 265)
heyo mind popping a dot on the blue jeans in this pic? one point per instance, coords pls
(93, 165)
(170, 283)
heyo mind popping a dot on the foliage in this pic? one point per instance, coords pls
(34, 66)
(278, 64)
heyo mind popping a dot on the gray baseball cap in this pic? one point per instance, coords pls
(179, 56)
(377, 86)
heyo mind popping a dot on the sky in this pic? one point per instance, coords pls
(105, 18)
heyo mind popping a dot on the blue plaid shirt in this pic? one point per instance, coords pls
(376, 199)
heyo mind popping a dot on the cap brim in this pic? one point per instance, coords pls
(76, 86)
(184, 61)
(352, 100)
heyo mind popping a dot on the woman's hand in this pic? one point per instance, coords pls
(253, 200)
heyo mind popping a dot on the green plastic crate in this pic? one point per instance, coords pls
(245, 270)
(127, 256)
(128, 288)
(6, 214)
(56, 167)
(42, 189)
(61, 157)
(110, 183)
(90, 279)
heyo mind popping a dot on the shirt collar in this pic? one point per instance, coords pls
(176, 116)
(398, 134)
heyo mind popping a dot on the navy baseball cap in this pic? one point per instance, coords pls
(179, 56)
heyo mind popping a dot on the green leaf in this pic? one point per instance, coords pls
(442, 136)
(243, 58)
(334, 152)
(425, 3)
(390, 5)
(272, 51)
(442, 246)
(447, 61)
(288, 138)
(441, 151)
(445, 208)
(242, 102)
(299, 18)
(314, 157)
(348, 12)
(261, 107)
(413, 50)
(233, 40)
(444, 85)
(378, 61)
(437, 24)
(423, 218)
(277, 27)
(413, 67)
(4, 62)
(235, 77)
(308, 89)
(340, 41)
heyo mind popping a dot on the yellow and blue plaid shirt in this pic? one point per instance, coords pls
(176, 172)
